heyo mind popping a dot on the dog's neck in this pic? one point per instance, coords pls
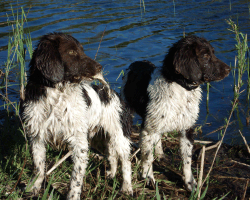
(170, 75)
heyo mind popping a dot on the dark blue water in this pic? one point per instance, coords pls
(132, 34)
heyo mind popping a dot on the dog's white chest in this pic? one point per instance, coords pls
(58, 116)
(171, 107)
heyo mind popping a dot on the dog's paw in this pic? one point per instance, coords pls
(150, 182)
(73, 195)
(190, 184)
(32, 189)
(127, 189)
(110, 174)
(161, 158)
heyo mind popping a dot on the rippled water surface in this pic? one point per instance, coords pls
(132, 33)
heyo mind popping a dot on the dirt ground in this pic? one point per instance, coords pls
(230, 174)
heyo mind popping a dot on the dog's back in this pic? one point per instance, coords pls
(100, 140)
(134, 91)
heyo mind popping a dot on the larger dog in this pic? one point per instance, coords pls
(168, 98)
(62, 107)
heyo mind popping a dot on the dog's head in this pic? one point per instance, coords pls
(191, 62)
(60, 57)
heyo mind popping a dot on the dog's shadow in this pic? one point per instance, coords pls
(167, 171)
(12, 141)
(164, 170)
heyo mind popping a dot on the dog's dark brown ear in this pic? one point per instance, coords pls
(186, 63)
(47, 58)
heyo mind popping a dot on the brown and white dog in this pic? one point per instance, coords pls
(168, 98)
(62, 107)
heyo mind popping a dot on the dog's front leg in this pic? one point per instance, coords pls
(79, 147)
(39, 156)
(159, 150)
(147, 142)
(186, 147)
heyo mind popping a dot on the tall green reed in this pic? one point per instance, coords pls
(207, 101)
(241, 60)
(142, 4)
(242, 66)
(19, 43)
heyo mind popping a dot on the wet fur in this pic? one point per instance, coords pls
(61, 107)
(168, 98)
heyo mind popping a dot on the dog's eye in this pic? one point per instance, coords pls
(72, 52)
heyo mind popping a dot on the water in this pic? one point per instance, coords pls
(132, 34)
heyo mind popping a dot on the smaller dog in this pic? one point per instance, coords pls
(62, 107)
(168, 98)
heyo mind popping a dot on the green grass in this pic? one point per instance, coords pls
(241, 60)
(15, 71)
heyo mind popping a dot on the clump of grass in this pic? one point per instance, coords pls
(19, 43)
(241, 60)
(241, 68)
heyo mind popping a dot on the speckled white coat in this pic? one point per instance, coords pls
(171, 107)
(63, 117)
